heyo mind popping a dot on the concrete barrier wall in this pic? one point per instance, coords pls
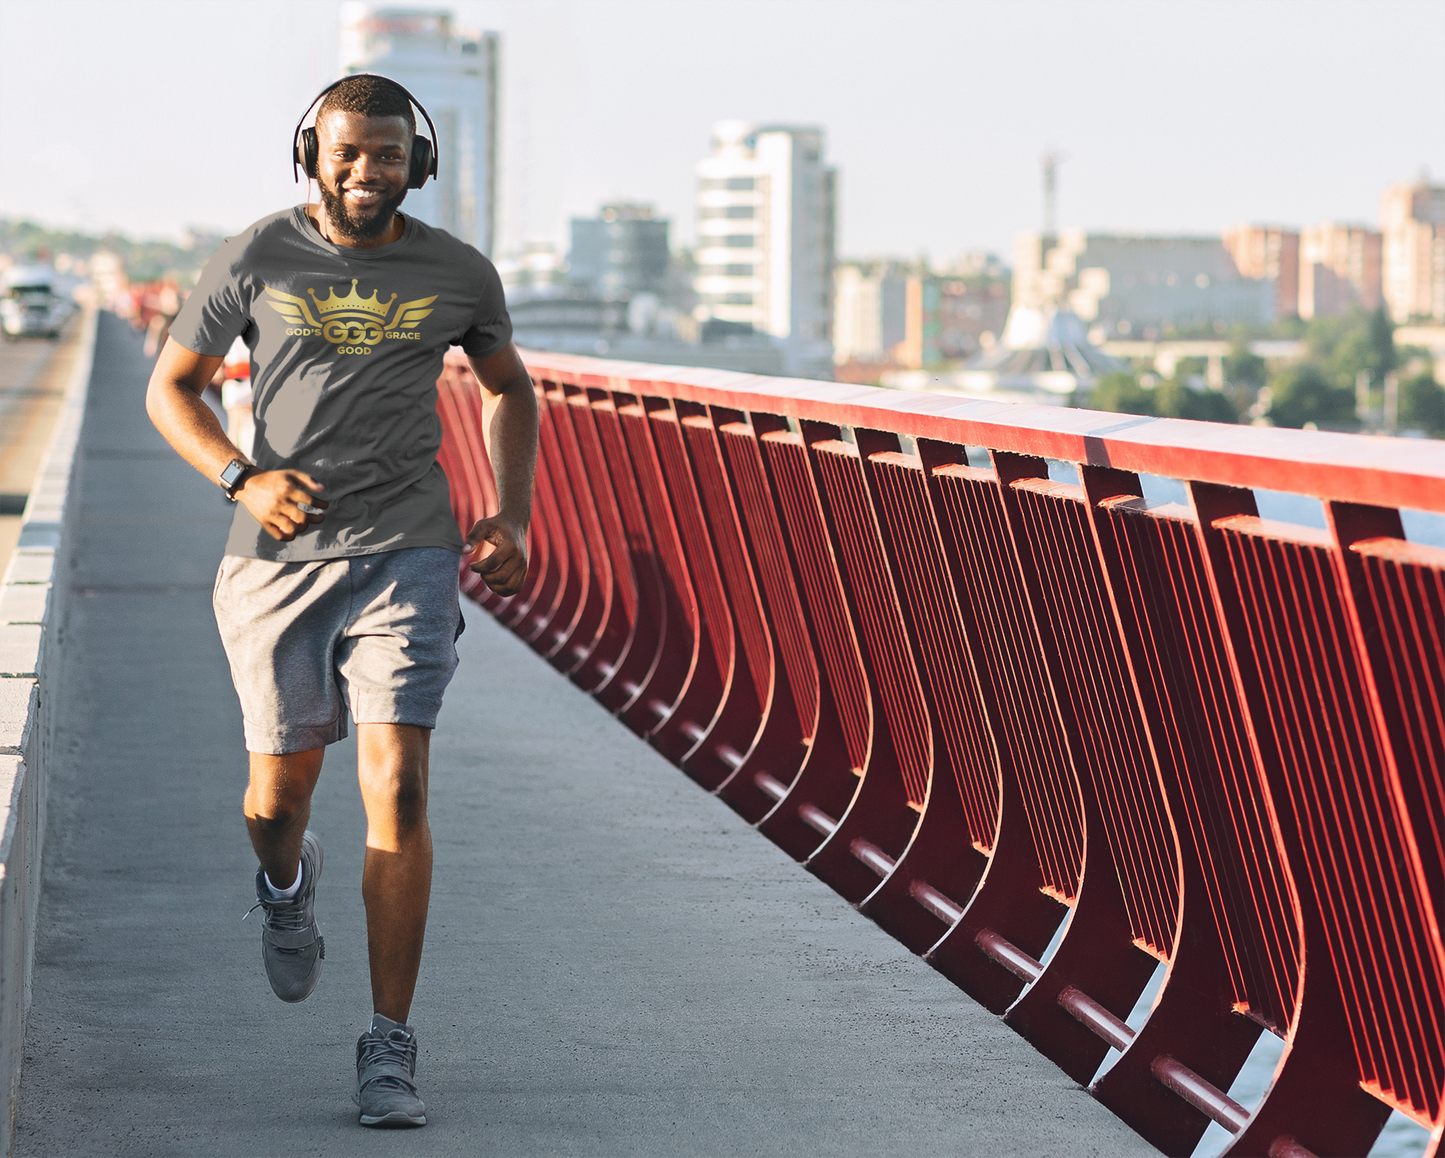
(33, 604)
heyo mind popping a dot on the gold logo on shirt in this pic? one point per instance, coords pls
(353, 324)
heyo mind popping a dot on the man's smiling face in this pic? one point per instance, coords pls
(362, 168)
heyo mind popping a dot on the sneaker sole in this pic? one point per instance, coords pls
(396, 1120)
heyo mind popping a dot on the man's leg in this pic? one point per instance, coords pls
(278, 805)
(394, 662)
(396, 881)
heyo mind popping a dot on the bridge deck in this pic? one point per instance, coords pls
(616, 963)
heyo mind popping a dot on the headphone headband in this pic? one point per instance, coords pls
(298, 162)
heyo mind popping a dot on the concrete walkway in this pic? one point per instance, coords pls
(615, 964)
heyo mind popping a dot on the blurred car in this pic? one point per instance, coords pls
(29, 305)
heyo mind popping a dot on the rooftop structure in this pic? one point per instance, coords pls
(1044, 357)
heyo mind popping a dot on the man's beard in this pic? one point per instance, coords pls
(352, 226)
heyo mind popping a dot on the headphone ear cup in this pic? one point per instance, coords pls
(307, 151)
(421, 162)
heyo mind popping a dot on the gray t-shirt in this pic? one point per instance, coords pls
(346, 348)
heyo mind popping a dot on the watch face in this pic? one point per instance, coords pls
(232, 472)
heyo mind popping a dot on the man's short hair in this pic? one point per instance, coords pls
(371, 96)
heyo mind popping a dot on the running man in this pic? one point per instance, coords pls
(338, 588)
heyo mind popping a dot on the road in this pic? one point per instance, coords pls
(33, 376)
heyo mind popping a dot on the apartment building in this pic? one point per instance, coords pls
(765, 245)
(1412, 220)
(1269, 251)
(1339, 270)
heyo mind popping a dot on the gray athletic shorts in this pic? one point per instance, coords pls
(377, 632)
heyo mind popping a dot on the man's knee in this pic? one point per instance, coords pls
(398, 792)
(275, 806)
(280, 789)
(273, 816)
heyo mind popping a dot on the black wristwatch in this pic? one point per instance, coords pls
(233, 476)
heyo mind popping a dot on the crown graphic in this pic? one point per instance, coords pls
(351, 303)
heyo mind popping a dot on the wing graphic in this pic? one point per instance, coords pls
(409, 314)
(293, 309)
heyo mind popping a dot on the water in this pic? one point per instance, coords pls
(1420, 526)
(1401, 1138)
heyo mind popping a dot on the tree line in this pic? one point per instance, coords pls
(1351, 376)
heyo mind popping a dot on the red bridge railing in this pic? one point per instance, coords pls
(981, 704)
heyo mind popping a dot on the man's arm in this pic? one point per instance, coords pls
(509, 427)
(175, 405)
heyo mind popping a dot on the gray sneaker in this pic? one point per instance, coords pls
(385, 1076)
(292, 947)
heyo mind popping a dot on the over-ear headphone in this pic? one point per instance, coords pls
(305, 149)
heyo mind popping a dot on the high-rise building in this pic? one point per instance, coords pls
(1339, 270)
(620, 253)
(1139, 286)
(1412, 219)
(766, 204)
(454, 74)
(1269, 251)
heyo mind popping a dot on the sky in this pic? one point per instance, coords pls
(1172, 115)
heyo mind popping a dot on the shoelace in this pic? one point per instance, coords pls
(282, 914)
(395, 1048)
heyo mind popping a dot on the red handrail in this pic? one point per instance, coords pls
(977, 701)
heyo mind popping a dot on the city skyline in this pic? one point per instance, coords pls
(1161, 132)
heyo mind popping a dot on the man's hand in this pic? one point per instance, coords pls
(500, 551)
(282, 501)
(509, 427)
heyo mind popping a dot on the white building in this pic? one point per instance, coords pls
(870, 311)
(765, 239)
(454, 74)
